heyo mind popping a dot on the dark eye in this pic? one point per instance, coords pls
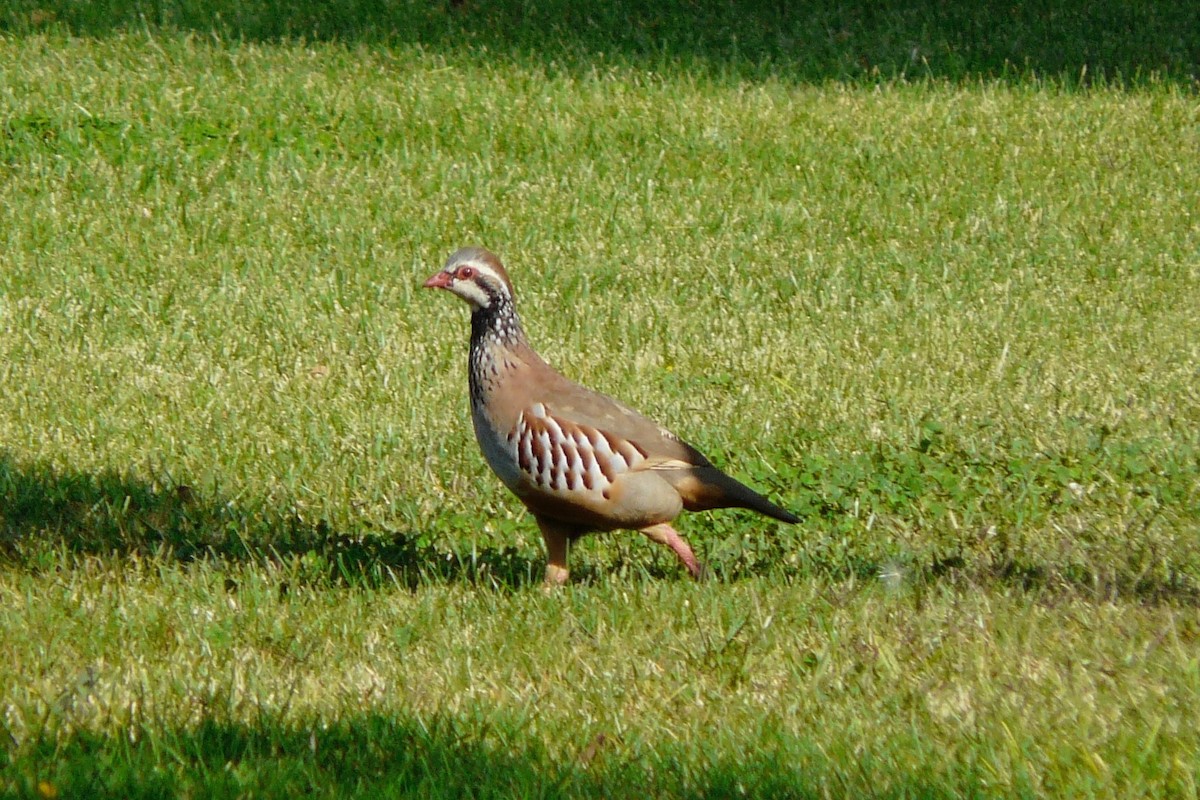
(465, 273)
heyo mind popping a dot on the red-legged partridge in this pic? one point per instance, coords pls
(579, 460)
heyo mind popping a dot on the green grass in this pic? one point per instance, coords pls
(949, 314)
(226, 684)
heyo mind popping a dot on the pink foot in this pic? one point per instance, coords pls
(663, 533)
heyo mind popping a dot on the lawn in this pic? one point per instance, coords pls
(927, 275)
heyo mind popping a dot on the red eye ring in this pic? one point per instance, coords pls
(465, 273)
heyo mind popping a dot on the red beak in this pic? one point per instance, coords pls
(439, 280)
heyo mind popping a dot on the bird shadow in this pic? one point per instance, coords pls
(47, 512)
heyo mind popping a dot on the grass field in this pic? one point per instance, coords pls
(929, 275)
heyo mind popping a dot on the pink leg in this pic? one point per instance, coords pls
(663, 533)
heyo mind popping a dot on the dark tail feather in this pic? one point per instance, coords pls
(722, 491)
(756, 502)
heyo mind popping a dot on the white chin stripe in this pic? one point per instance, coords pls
(472, 292)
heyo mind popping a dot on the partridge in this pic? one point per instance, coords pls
(579, 460)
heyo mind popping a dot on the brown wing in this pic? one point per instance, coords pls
(579, 474)
(586, 407)
(593, 424)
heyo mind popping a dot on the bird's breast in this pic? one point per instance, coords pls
(497, 448)
(493, 375)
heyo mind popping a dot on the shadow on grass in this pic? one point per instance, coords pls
(43, 511)
(858, 40)
(444, 756)
(46, 514)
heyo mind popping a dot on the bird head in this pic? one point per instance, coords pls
(477, 276)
